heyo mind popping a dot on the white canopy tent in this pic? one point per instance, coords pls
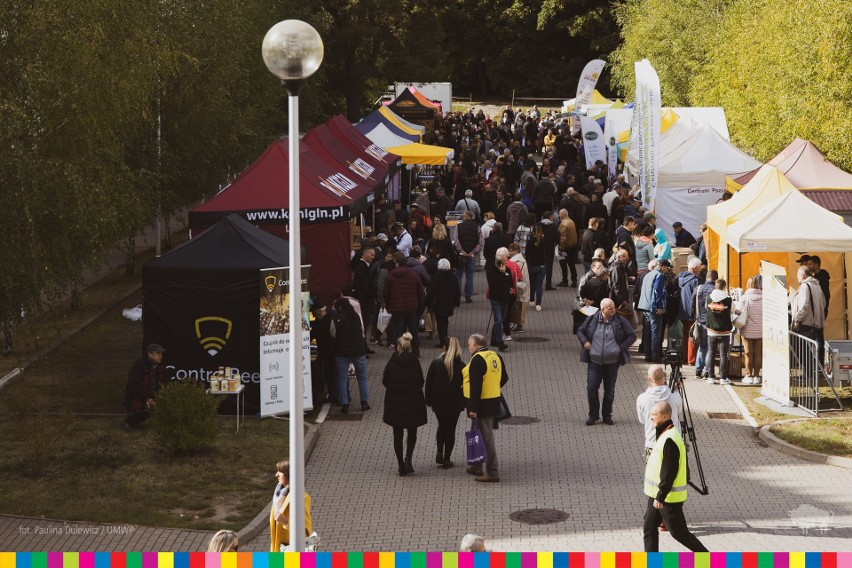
(793, 224)
(382, 137)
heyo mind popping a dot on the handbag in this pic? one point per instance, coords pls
(695, 333)
(476, 453)
(504, 412)
(382, 320)
(739, 320)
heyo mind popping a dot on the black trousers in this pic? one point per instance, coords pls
(569, 263)
(410, 443)
(672, 515)
(446, 436)
(443, 327)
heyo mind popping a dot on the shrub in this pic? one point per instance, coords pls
(185, 418)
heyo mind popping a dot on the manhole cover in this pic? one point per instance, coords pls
(520, 420)
(530, 339)
(344, 417)
(539, 516)
(725, 415)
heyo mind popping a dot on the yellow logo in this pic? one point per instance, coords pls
(216, 333)
(270, 282)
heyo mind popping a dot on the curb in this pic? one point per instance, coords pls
(784, 447)
(261, 521)
(747, 417)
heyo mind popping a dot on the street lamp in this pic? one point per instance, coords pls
(292, 50)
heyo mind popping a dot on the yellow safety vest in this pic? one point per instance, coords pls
(491, 380)
(655, 464)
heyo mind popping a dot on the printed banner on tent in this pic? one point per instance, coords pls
(588, 80)
(647, 115)
(611, 139)
(593, 141)
(275, 348)
(776, 339)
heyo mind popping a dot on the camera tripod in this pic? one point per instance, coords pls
(676, 384)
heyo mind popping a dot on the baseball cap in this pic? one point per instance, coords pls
(650, 215)
(805, 258)
(381, 237)
(665, 262)
(155, 348)
(677, 224)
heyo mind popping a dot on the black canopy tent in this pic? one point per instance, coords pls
(202, 303)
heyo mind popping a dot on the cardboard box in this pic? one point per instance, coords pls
(735, 365)
(680, 258)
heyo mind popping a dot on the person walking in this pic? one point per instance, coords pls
(279, 513)
(719, 327)
(404, 294)
(699, 298)
(752, 332)
(652, 302)
(442, 299)
(482, 381)
(551, 236)
(468, 243)
(444, 396)
(345, 328)
(606, 338)
(536, 256)
(500, 285)
(567, 248)
(405, 405)
(666, 484)
(657, 391)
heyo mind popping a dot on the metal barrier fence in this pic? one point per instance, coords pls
(806, 371)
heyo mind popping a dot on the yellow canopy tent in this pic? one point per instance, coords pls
(423, 154)
(768, 184)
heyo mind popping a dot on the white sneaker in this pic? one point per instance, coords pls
(757, 380)
(538, 308)
(747, 381)
(507, 338)
(724, 382)
(709, 380)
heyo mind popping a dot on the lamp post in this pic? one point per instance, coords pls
(293, 50)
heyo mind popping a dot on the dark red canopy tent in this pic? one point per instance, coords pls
(329, 198)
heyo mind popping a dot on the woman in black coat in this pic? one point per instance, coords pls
(443, 297)
(405, 407)
(444, 395)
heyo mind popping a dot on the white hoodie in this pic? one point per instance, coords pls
(646, 401)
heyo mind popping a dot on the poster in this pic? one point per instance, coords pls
(588, 80)
(275, 348)
(776, 339)
(647, 116)
(593, 141)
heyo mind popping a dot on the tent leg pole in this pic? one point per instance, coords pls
(740, 258)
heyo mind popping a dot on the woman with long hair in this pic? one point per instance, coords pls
(537, 263)
(405, 406)
(349, 347)
(279, 514)
(752, 331)
(224, 541)
(444, 395)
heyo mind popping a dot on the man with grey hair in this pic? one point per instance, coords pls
(688, 281)
(808, 309)
(472, 543)
(652, 302)
(657, 391)
(468, 203)
(482, 381)
(468, 243)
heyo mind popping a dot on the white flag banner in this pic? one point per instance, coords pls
(275, 348)
(611, 138)
(588, 80)
(594, 145)
(647, 115)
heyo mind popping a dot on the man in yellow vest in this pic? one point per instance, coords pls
(482, 378)
(666, 484)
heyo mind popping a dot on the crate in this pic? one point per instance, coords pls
(735, 365)
(680, 258)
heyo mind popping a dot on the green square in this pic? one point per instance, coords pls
(513, 560)
(355, 560)
(765, 559)
(134, 560)
(418, 560)
(39, 559)
(671, 559)
(276, 560)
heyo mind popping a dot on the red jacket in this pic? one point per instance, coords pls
(403, 292)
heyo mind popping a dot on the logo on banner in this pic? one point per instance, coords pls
(338, 184)
(362, 168)
(591, 135)
(612, 140)
(376, 151)
(270, 282)
(213, 333)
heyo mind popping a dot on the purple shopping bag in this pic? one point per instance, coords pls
(476, 453)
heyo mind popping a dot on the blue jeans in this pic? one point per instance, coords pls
(597, 374)
(360, 364)
(399, 324)
(537, 274)
(723, 344)
(652, 336)
(701, 354)
(468, 264)
(499, 311)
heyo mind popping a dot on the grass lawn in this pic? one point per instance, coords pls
(65, 455)
(832, 436)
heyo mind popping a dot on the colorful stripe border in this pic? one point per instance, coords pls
(426, 560)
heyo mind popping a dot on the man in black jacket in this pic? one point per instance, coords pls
(364, 287)
(146, 376)
(468, 243)
(665, 484)
(483, 379)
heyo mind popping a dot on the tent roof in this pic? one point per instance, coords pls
(262, 189)
(350, 135)
(376, 117)
(767, 185)
(382, 136)
(806, 168)
(405, 125)
(790, 223)
(832, 199)
(322, 140)
(232, 243)
(701, 160)
(423, 98)
(423, 154)
(407, 100)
